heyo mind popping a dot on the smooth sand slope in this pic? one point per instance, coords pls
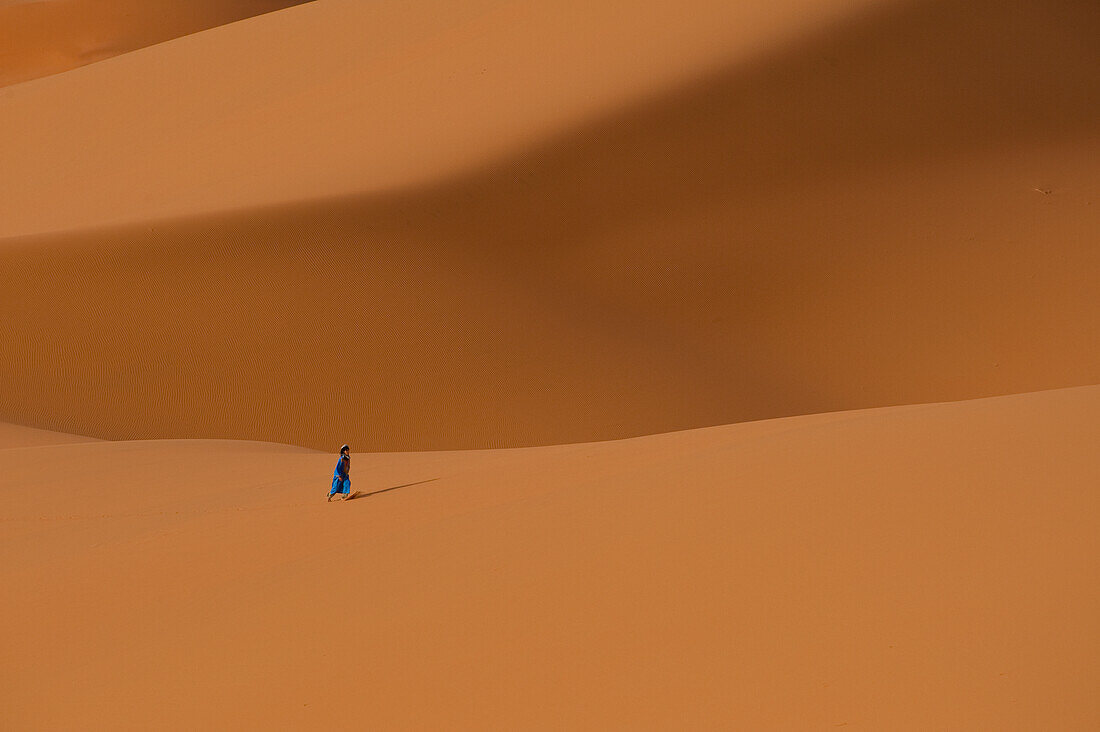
(340, 97)
(42, 37)
(534, 223)
(419, 225)
(910, 568)
(12, 435)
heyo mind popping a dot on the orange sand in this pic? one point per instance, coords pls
(12, 435)
(910, 568)
(42, 37)
(418, 226)
(765, 214)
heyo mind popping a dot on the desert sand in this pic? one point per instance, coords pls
(43, 37)
(479, 228)
(908, 568)
(707, 365)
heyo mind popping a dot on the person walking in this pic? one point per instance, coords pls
(341, 475)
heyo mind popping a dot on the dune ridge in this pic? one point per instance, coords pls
(13, 436)
(340, 97)
(43, 37)
(902, 568)
(656, 331)
(898, 209)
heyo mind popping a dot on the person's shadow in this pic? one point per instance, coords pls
(357, 495)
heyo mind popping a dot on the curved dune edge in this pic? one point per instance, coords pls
(489, 315)
(909, 568)
(342, 97)
(44, 37)
(15, 436)
(896, 209)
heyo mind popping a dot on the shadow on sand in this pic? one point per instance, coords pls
(357, 494)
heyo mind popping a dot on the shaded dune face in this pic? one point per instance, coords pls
(901, 210)
(46, 37)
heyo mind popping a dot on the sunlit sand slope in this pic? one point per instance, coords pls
(911, 568)
(12, 436)
(42, 37)
(344, 96)
(896, 207)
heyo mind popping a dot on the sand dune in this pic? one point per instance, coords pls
(340, 97)
(42, 37)
(12, 435)
(545, 225)
(898, 208)
(911, 568)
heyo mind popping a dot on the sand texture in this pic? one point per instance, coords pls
(909, 568)
(895, 206)
(706, 365)
(12, 436)
(43, 37)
